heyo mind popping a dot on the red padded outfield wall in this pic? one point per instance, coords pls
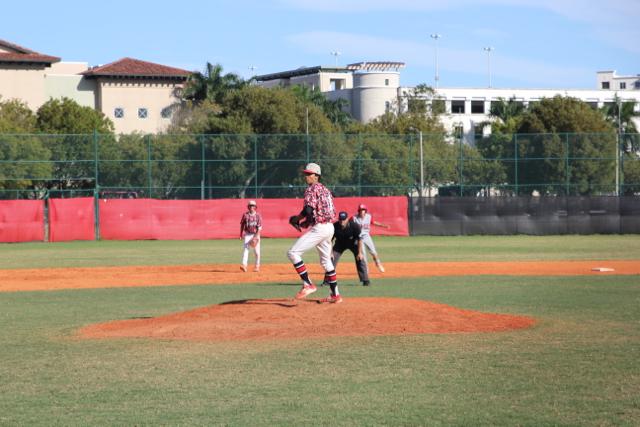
(143, 219)
(71, 219)
(21, 221)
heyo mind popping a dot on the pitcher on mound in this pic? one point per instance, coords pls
(317, 214)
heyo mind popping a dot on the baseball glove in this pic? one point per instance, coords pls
(293, 220)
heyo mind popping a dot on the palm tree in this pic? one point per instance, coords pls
(212, 85)
(505, 110)
(334, 110)
(621, 115)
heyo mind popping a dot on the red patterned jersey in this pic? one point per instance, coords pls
(251, 223)
(318, 197)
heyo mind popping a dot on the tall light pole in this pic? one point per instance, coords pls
(436, 36)
(252, 68)
(488, 50)
(336, 54)
(421, 159)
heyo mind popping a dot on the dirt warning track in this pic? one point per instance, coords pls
(212, 274)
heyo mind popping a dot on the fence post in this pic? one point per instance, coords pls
(359, 165)
(566, 163)
(95, 159)
(620, 156)
(461, 166)
(96, 188)
(96, 214)
(149, 164)
(255, 164)
(202, 167)
(618, 143)
(410, 160)
(515, 161)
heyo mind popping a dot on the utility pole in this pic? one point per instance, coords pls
(436, 36)
(336, 54)
(488, 50)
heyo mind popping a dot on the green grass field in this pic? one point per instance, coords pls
(577, 366)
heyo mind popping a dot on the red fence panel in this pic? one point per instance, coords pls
(141, 219)
(21, 221)
(71, 219)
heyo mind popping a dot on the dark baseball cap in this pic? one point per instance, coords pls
(343, 215)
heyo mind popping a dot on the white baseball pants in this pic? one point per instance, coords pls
(318, 236)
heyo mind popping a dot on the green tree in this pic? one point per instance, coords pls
(573, 151)
(333, 109)
(16, 117)
(212, 85)
(621, 114)
(506, 115)
(394, 134)
(24, 161)
(69, 129)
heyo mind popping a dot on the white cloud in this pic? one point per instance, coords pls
(614, 21)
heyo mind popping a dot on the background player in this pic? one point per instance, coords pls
(346, 235)
(318, 213)
(250, 227)
(365, 221)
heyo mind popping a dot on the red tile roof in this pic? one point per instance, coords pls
(129, 67)
(21, 54)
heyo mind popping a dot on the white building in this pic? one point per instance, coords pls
(372, 88)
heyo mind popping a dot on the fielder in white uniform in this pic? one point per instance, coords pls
(318, 214)
(250, 227)
(365, 221)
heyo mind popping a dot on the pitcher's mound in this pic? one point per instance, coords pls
(287, 319)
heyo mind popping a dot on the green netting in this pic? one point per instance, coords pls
(228, 166)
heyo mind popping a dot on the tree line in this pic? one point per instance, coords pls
(231, 138)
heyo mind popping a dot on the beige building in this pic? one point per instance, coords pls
(134, 94)
(22, 74)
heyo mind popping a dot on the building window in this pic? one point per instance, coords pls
(605, 85)
(623, 85)
(593, 104)
(637, 84)
(386, 82)
(143, 113)
(165, 113)
(337, 84)
(387, 106)
(477, 107)
(118, 112)
(457, 107)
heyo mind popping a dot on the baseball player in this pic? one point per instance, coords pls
(346, 235)
(318, 214)
(250, 226)
(365, 221)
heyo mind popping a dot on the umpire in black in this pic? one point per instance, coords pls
(346, 235)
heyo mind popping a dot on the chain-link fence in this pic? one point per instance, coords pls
(230, 166)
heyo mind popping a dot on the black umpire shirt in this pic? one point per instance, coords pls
(347, 237)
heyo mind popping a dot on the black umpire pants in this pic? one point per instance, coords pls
(361, 265)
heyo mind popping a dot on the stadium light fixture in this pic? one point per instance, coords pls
(436, 36)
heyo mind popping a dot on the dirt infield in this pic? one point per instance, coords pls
(290, 319)
(212, 274)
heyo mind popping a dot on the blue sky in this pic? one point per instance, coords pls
(536, 43)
